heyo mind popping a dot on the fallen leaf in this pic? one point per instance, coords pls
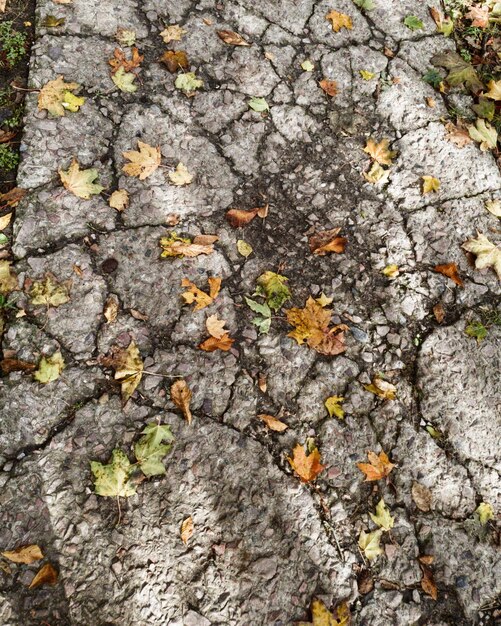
(258, 104)
(180, 176)
(329, 87)
(181, 396)
(244, 248)
(430, 184)
(369, 544)
(80, 182)
(323, 300)
(51, 21)
(119, 200)
(120, 60)
(494, 207)
(367, 5)
(50, 368)
(273, 423)
(174, 246)
(47, 575)
(333, 406)
(325, 241)
(391, 271)
(215, 326)
(377, 468)
(380, 151)
(321, 616)
(366, 75)
(339, 21)
(5, 221)
(175, 60)
(232, 38)
(8, 278)
(262, 382)
(7, 135)
(274, 289)
(431, 102)
(124, 80)
(8, 365)
(484, 133)
(484, 512)
(422, 496)
(174, 32)
(238, 217)
(306, 466)
(24, 554)
(110, 310)
(188, 83)
(382, 517)
(494, 92)
(479, 16)
(451, 271)
(427, 582)
(187, 528)
(212, 343)
(376, 174)
(125, 37)
(439, 312)
(71, 102)
(12, 197)
(113, 480)
(307, 65)
(458, 136)
(488, 255)
(445, 25)
(150, 449)
(312, 326)
(50, 292)
(382, 388)
(51, 96)
(143, 162)
(413, 23)
(460, 71)
(199, 297)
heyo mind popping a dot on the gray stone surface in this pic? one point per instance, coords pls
(264, 544)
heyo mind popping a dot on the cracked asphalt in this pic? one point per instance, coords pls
(264, 543)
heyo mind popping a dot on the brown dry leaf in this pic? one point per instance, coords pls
(451, 271)
(380, 151)
(174, 32)
(110, 310)
(232, 38)
(439, 312)
(427, 582)
(119, 200)
(431, 102)
(137, 315)
(307, 467)
(15, 365)
(479, 15)
(238, 217)
(187, 528)
(457, 135)
(120, 60)
(143, 162)
(262, 382)
(5, 221)
(205, 240)
(51, 96)
(7, 135)
(215, 327)
(128, 366)
(175, 60)
(211, 344)
(422, 496)
(174, 246)
(329, 86)
(312, 326)
(377, 468)
(12, 197)
(181, 396)
(47, 575)
(326, 241)
(339, 21)
(172, 219)
(273, 423)
(201, 299)
(382, 388)
(24, 554)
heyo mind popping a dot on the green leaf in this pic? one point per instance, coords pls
(113, 480)
(150, 449)
(413, 22)
(3, 239)
(263, 324)
(433, 78)
(188, 83)
(367, 5)
(272, 286)
(484, 133)
(124, 80)
(382, 516)
(263, 309)
(49, 368)
(485, 109)
(71, 102)
(446, 27)
(476, 330)
(460, 71)
(259, 105)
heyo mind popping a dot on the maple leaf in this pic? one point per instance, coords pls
(382, 388)
(47, 575)
(312, 326)
(376, 174)
(326, 241)
(187, 528)
(272, 422)
(451, 271)
(494, 92)
(180, 176)
(24, 554)
(231, 38)
(430, 184)
(150, 449)
(174, 32)
(219, 337)
(50, 368)
(379, 151)
(333, 406)
(124, 80)
(321, 616)
(120, 60)
(125, 37)
(238, 217)
(422, 496)
(188, 83)
(181, 395)
(366, 75)
(306, 466)
(201, 299)
(175, 60)
(339, 21)
(52, 96)
(457, 135)
(114, 479)
(488, 255)
(377, 468)
(484, 133)
(8, 279)
(330, 87)
(80, 182)
(175, 246)
(479, 15)
(49, 292)
(12, 197)
(460, 71)
(382, 517)
(119, 200)
(143, 162)
(128, 369)
(273, 287)
(369, 544)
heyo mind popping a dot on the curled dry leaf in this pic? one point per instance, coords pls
(219, 337)
(24, 554)
(143, 162)
(120, 60)
(231, 38)
(339, 21)
(457, 135)
(238, 217)
(382, 388)
(439, 312)
(377, 468)
(175, 60)
(451, 271)
(175, 246)
(181, 396)
(326, 241)
(12, 197)
(199, 297)
(215, 327)
(380, 152)
(329, 87)
(306, 466)
(187, 528)
(9, 365)
(50, 292)
(422, 496)
(427, 582)
(174, 32)
(119, 200)
(47, 575)
(479, 16)
(273, 423)
(110, 311)
(488, 254)
(128, 366)
(80, 182)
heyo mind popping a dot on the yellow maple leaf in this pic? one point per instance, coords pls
(50, 368)
(201, 299)
(128, 366)
(307, 467)
(382, 517)
(321, 616)
(494, 92)
(379, 151)
(50, 292)
(339, 21)
(180, 176)
(119, 200)
(488, 254)
(52, 96)
(333, 406)
(143, 162)
(8, 279)
(377, 468)
(369, 544)
(430, 184)
(174, 32)
(80, 182)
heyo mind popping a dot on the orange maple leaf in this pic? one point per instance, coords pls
(377, 468)
(307, 467)
(451, 271)
(312, 326)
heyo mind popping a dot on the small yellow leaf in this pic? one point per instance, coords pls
(488, 254)
(143, 162)
(49, 368)
(180, 176)
(187, 528)
(25, 554)
(110, 311)
(494, 92)
(128, 366)
(382, 517)
(5, 221)
(323, 300)
(391, 271)
(430, 184)
(376, 174)
(382, 388)
(8, 279)
(52, 94)
(49, 292)
(484, 512)
(244, 248)
(201, 299)
(273, 423)
(366, 75)
(119, 200)
(380, 152)
(333, 406)
(369, 544)
(339, 21)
